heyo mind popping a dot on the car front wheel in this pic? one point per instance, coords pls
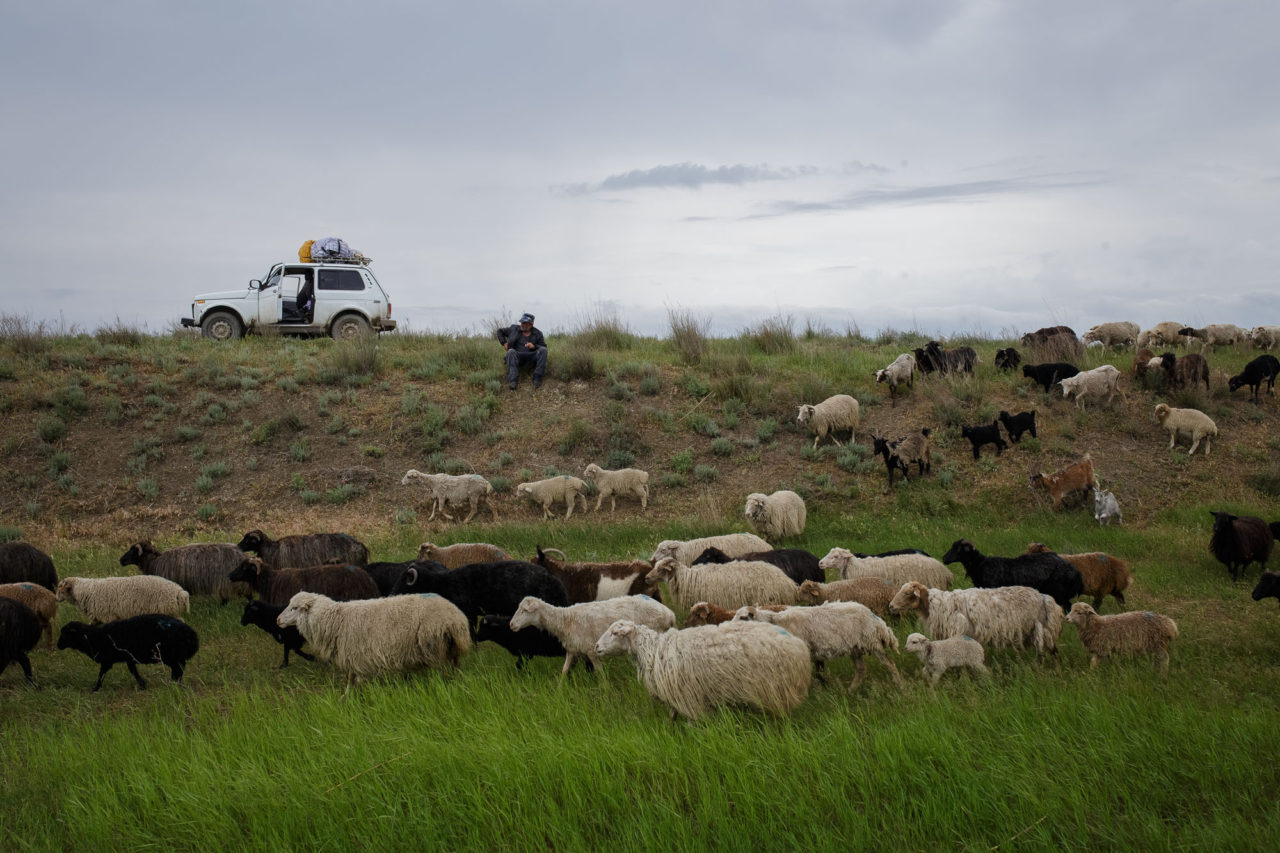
(349, 326)
(221, 326)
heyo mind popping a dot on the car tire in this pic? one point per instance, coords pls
(349, 326)
(221, 326)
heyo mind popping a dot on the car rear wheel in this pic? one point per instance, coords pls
(221, 326)
(349, 326)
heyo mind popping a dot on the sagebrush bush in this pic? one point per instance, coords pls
(688, 334)
(774, 335)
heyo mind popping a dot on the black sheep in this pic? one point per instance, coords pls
(1044, 572)
(19, 632)
(1268, 586)
(277, 586)
(1048, 373)
(1007, 359)
(20, 562)
(984, 434)
(1239, 540)
(1264, 368)
(1018, 424)
(480, 589)
(796, 563)
(524, 644)
(386, 574)
(305, 549)
(150, 638)
(264, 616)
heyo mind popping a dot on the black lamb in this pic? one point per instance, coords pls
(480, 589)
(524, 644)
(1048, 373)
(984, 434)
(1044, 572)
(1239, 540)
(1264, 368)
(1018, 424)
(264, 616)
(1268, 586)
(1007, 359)
(150, 638)
(796, 563)
(19, 632)
(20, 562)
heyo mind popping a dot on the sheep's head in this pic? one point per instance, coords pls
(837, 558)
(133, 557)
(806, 414)
(662, 570)
(755, 508)
(750, 613)
(74, 635)
(912, 596)
(409, 476)
(699, 614)
(882, 375)
(1038, 480)
(1081, 613)
(302, 602)
(252, 609)
(918, 644)
(66, 590)
(666, 548)
(960, 549)
(524, 489)
(1162, 412)
(1268, 586)
(810, 592)
(591, 471)
(427, 551)
(1038, 548)
(248, 571)
(527, 613)
(252, 541)
(618, 637)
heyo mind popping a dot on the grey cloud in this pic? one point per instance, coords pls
(689, 176)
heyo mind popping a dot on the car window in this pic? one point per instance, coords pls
(331, 279)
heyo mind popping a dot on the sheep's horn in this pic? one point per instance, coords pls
(412, 576)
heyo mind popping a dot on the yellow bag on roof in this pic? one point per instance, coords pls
(304, 252)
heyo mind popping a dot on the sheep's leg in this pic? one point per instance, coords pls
(1162, 660)
(599, 498)
(1194, 444)
(1119, 597)
(1093, 663)
(569, 658)
(568, 505)
(286, 657)
(861, 671)
(25, 663)
(594, 664)
(475, 506)
(492, 508)
(893, 670)
(435, 503)
(644, 499)
(102, 673)
(934, 675)
(133, 670)
(613, 502)
(175, 672)
(819, 669)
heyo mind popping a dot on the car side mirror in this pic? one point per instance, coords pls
(255, 284)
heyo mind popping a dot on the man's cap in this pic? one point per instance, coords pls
(526, 318)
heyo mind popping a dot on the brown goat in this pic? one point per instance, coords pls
(1078, 477)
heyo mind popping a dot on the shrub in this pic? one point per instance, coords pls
(264, 432)
(722, 447)
(310, 497)
(672, 480)
(619, 391)
(470, 420)
(650, 384)
(501, 485)
(70, 400)
(300, 451)
(354, 361)
(59, 461)
(1267, 482)
(575, 363)
(204, 484)
(405, 517)
(10, 534)
(702, 424)
(705, 473)
(774, 335)
(601, 329)
(371, 451)
(688, 334)
(207, 512)
(50, 428)
(342, 494)
(185, 433)
(217, 470)
(577, 436)
(765, 430)
(148, 488)
(695, 386)
(682, 462)
(618, 458)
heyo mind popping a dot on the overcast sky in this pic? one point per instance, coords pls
(910, 164)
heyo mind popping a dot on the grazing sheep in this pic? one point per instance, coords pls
(984, 434)
(873, 593)
(487, 588)
(277, 586)
(897, 569)
(1017, 424)
(526, 644)
(21, 562)
(578, 626)
(596, 581)
(546, 492)
(1076, 477)
(901, 369)
(1265, 337)
(264, 616)
(1268, 586)
(111, 599)
(1101, 573)
(200, 569)
(698, 669)
(43, 603)
(900, 453)
(1045, 375)
(1190, 425)
(1137, 632)
(623, 481)
(1007, 359)
(461, 554)
(1118, 334)
(1264, 368)
(1103, 379)
(832, 415)
(1015, 616)
(367, 638)
(1044, 572)
(1106, 508)
(729, 585)
(1142, 362)
(938, 656)
(833, 630)
(1239, 540)
(19, 633)
(1216, 335)
(1166, 334)
(1185, 372)
(933, 358)
(735, 545)
(306, 549)
(146, 638)
(776, 516)
(797, 563)
(706, 613)
(456, 489)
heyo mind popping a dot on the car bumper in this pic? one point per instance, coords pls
(188, 322)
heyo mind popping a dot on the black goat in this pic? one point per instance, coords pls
(1264, 368)
(264, 616)
(796, 563)
(1008, 359)
(480, 589)
(524, 644)
(1018, 424)
(1048, 373)
(1044, 572)
(150, 638)
(984, 434)
(1239, 540)
(1268, 586)
(19, 632)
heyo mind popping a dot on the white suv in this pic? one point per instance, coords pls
(349, 302)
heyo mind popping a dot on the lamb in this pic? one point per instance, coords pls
(1117, 334)
(457, 489)
(1216, 335)
(145, 638)
(1106, 508)
(367, 638)
(1189, 424)
(797, 563)
(1045, 375)
(264, 616)
(697, 669)
(1015, 616)
(901, 369)
(832, 415)
(833, 630)
(734, 545)
(705, 613)
(526, 644)
(1166, 334)
(897, 569)
(461, 554)
(899, 454)
(578, 626)
(277, 586)
(200, 569)
(730, 585)
(776, 516)
(1102, 574)
(1268, 586)
(1103, 379)
(111, 599)
(873, 593)
(623, 481)
(1265, 337)
(1264, 368)
(938, 656)
(19, 633)
(546, 492)
(1239, 540)
(1076, 477)
(1044, 572)
(43, 603)
(1007, 359)
(1017, 424)
(487, 588)
(1128, 633)
(984, 434)
(596, 581)
(21, 562)
(1185, 372)
(307, 549)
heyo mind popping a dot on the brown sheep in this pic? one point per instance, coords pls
(873, 593)
(1136, 632)
(1102, 573)
(42, 603)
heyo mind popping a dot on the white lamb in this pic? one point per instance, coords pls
(901, 369)
(686, 551)
(1265, 337)
(445, 489)
(898, 568)
(548, 492)
(1016, 616)
(831, 415)
(1103, 379)
(579, 626)
(622, 481)
(778, 515)
(1190, 425)
(109, 599)
(1117, 334)
(938, 656)
(729, 585)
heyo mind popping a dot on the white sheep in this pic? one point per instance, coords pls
(831, 415)
(833, 630)
(1190, 425)
(686, 551)
(457, 489)
(778, 515)
(1217, 335)
(1117, 334)
(579, 626)
(1016, 616)
(547, 492)
(461, 554)
(109, 599)
(901, 369)
(622, 481)
(1103, 379)
(695, 670)
(377, 635)
(1135, 632)
(729, 585)
(1166, 334)
(897, 568)
(1265, 337)
(938, 656)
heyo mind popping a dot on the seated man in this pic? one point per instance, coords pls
(524, 345)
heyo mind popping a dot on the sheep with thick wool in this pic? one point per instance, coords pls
(1015, 616)
(579, 626)
(1191, 425)
(777, 515)
(562, 489)
(1239, 540)
(873, 593)
(832, 415)
(897, 569)
(730, 585)
(367, 638)
(461, 554)
(1117, 334)
(22, 562)
(902, 370)
(938, 656)
(625, 482)
(1101, 573)
(277, 586)
(1165, 334)
(200, 569)
(735, 545)
(111, 599)
(43, 603)
(1135, 633)
(305, 549)
(1265, 337)
(1216, 335)
(1103, 379)
(19, 633)
(454, 489)
(698, 669)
